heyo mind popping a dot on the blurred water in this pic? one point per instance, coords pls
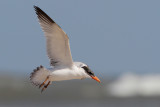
(109, 102)
(17, 91)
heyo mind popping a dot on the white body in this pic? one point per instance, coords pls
(67, 73)
(59, 73)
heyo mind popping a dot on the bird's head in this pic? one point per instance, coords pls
(87, 71)
(90, 73)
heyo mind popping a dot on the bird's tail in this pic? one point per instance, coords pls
(38, 75)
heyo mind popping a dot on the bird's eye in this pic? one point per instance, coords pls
(88, 71)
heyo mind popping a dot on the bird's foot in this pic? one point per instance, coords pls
(45, 86)
(44, 82)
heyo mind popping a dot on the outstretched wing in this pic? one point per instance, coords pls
(58, 48)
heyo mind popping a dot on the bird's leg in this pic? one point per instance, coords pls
(45, 86)
(44, 82)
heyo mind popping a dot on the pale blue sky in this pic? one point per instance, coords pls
(109, 35)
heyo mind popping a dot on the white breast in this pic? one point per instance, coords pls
(67, 74)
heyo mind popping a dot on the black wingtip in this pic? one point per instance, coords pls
(42, 15)
(36, 8)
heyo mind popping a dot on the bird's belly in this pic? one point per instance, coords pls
(64, 75)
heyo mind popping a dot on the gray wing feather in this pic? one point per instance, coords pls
(57, 41)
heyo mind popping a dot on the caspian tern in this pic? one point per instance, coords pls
(58, 50)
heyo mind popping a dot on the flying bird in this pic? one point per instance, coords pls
(58, 50)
